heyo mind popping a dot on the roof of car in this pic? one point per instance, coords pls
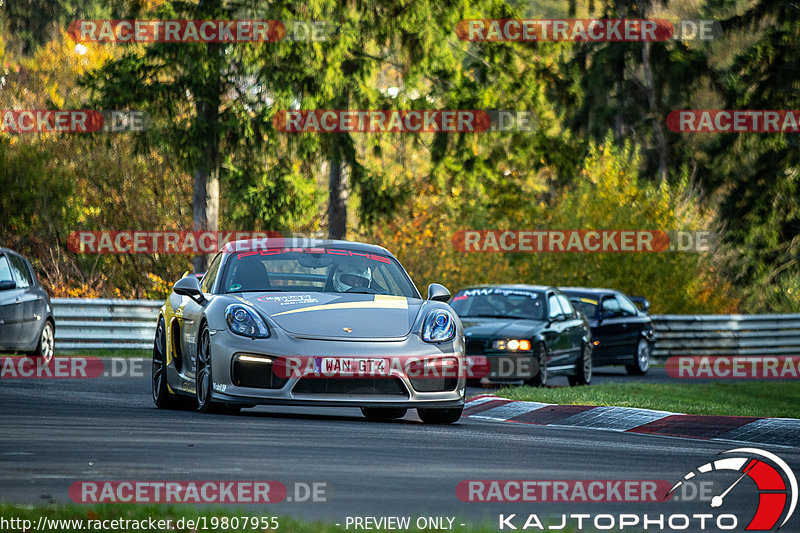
(511, 286)
(298, 242)
(587, 290)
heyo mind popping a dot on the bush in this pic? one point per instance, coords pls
(610, 195)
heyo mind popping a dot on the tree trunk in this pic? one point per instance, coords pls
(199, 203)
(658, 131)
(205, 208)
(337, 200)
(206, 174)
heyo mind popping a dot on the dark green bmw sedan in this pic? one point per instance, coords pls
(523, 332)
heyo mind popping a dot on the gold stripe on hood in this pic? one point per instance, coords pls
(380, 302)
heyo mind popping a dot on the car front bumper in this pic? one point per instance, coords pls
(302, 386)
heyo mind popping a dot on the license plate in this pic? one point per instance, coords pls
(349, 366)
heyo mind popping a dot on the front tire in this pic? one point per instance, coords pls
(383, 413)
(46, 346)
(440, 416)
(642, 363)
(162, 397)
(204, 381)
(583, 374)
(540, 379)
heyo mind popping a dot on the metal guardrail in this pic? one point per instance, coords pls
(83, 323)
(726, 335)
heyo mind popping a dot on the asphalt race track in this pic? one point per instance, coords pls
(59, 431)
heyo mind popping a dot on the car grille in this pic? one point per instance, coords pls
(258, 375)
(434, 384)
(476, 347)
(354, 386)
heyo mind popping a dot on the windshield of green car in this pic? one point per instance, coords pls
(499, 303)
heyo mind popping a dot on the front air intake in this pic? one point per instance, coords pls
(255, 372)
(352, 386)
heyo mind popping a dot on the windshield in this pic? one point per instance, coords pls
(499, 303)
(315, 270)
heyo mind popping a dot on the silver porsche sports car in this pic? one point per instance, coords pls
(326, 323)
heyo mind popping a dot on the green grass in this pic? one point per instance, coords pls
(768, 399)
(188, 512)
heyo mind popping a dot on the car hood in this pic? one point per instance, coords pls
(331, 315)
(490, 328)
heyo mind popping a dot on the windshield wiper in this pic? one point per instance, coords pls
(357, 292)
(491, 316)
(256, 290)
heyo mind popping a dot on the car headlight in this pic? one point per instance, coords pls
(244, 321)
(439, 326)
(512, 345)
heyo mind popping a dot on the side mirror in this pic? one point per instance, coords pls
(438, 293)
(642, 303)
(7, 285)
(189, 286)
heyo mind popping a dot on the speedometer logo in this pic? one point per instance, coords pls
(776, 483)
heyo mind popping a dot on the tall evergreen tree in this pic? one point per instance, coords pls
(758, 174)
(629, 88)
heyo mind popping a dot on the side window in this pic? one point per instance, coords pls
(584, 306)
(611, 307)
(552, 303)
(5, 270)
(21, 273)
(566, 306)
(628, 309)
(211, 274)
(31, 273)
